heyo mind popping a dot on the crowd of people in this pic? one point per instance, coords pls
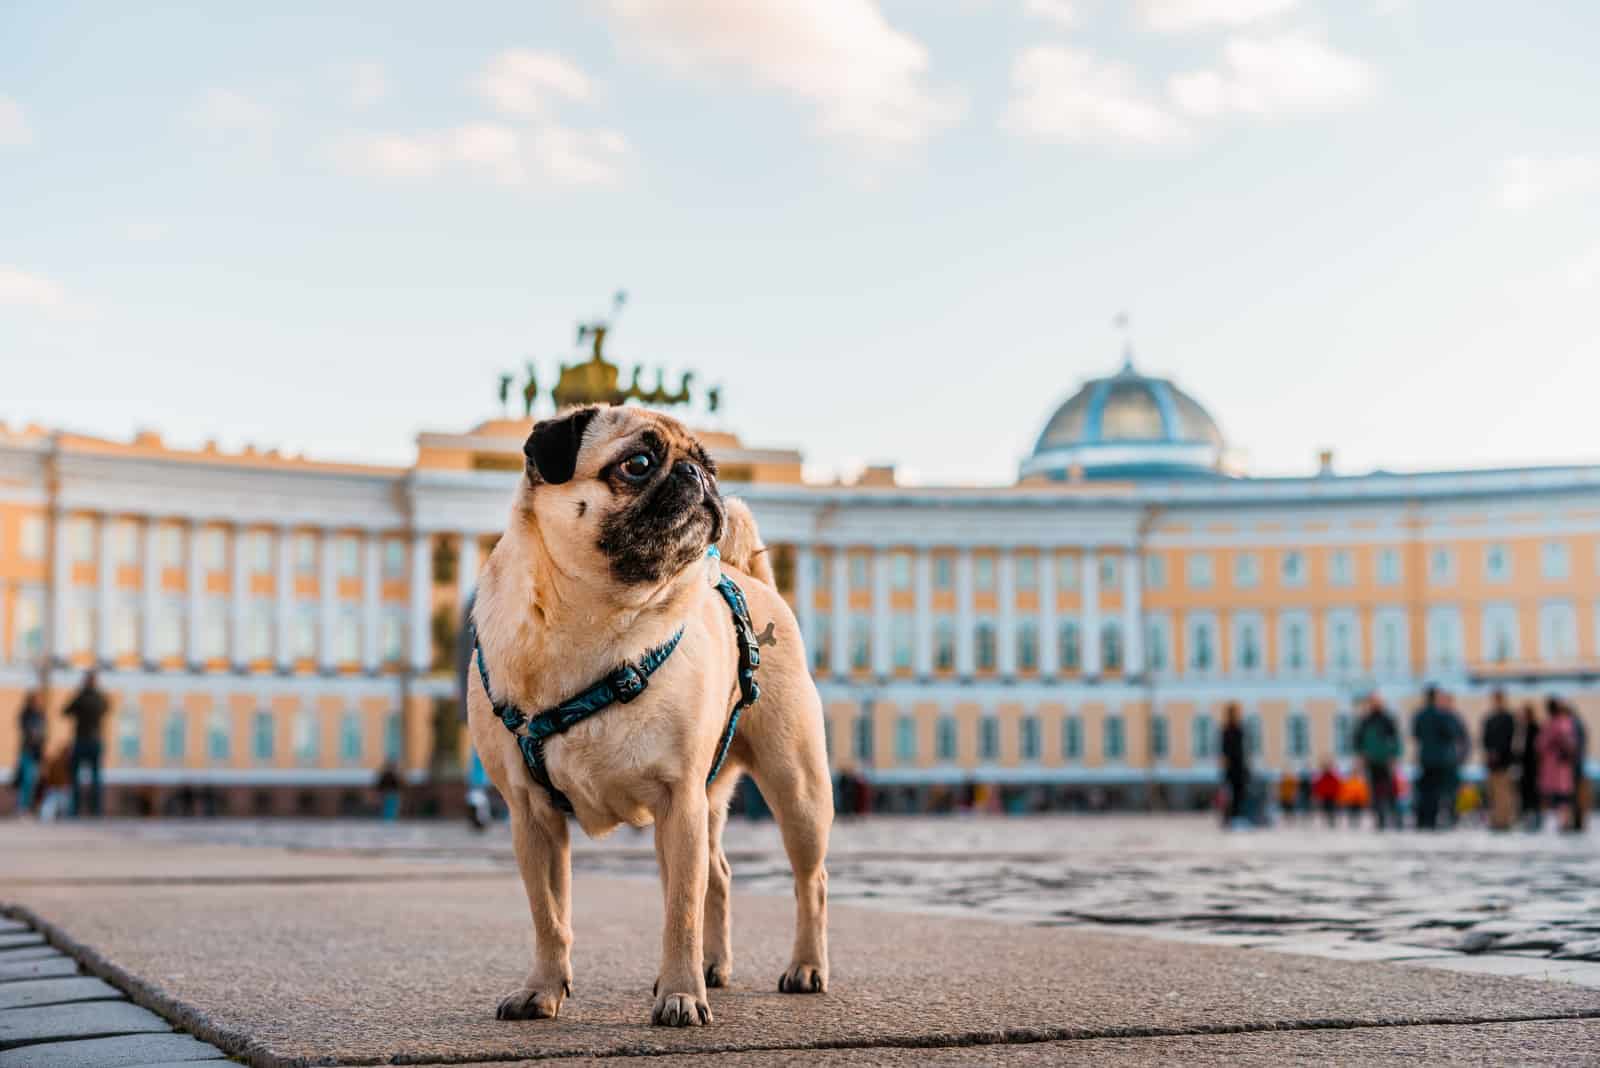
(65, 781)
(1533, 765)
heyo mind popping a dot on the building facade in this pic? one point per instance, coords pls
(272, 629)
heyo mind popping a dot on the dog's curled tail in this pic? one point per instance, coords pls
(741, 543)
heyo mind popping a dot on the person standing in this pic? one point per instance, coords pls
(1235, 764)
(1499, 757)
(1528, 766)
(1580, 781)
(389, 791)
(87, 710)
(30, 750)
(1378, 745)
(1437, 732)
(1558, 746)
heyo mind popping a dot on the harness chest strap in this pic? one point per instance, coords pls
(621, 687)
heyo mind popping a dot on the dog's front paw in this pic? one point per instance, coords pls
(528, 1003)
(680, 1010)
(719, 973)
(803, 979)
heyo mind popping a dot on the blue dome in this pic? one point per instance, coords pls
(1127, 426)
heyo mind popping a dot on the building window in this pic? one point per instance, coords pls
(1028, 645)
(392, 634)
(33, 537)
(347, 556)
(173, 736)
(1155, 572)
(821, 643)
(1202, 644)
(1157, 643)
(213, 643)
(1115, 743)
(1252, 734)
(80, 623)
(901, 636)
(351, 744)
(80, 540)
(1204, 741)
(1392, 653)
(394, 558)
(1108, 571)
(1027, 572)
(261, 736)
(984, 640)
(863, 732)
(1444, 637)
(261, 627)
(1068, 571)
(305, 739)
(1441, 566)
(1111, 645)
(859, 579)
(944, 643)
(900, 570)
(983, 572)
(1389, 570)
(261, 552)
(1247, 655)
(1294, 654)
(1072, 738)
(1558, 632)
(1500, 633)
(1246, 570)
(1496, 563)
(211, 550)
(28, 636)
(1028, 738)
(169, 546)
(219, 735)
(943, 573)
(1158, 737)
(1297, 736)
(125, 543)
(128, 731)
(305, 554)
(1067, 637)
(1197, 571)
(125, 626)
(905, 740)
(1555, 561)
(1293, 568)
(347, 636)
(169, 629)
(945, 736)
(1342, 568)
(860, 643)
(303, 631)
(1344, 734)
(1344, 643)
(988, 739)
(393, 737)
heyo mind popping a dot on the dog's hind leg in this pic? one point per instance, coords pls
(539, 835)
(719, 913)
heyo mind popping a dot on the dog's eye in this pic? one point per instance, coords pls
(637, 467)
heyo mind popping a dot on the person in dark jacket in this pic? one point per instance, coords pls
(1440, 739)
(1528, 766)
(87, 710)
(1377, 742)
(1235, 764)
(1499, 758)
(30, 750)
(1580, 783)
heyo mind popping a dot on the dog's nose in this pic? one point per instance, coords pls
(689, 472)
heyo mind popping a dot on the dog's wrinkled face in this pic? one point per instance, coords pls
(622, 494)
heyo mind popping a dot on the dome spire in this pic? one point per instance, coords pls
(1121, 322)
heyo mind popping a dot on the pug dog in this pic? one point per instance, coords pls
(605, 557)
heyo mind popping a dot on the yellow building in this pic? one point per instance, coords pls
(272, 628)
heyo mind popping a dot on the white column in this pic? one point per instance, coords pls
(467, 568)
(922, 577)
(150, 595)
(195, 580)
(966, 660)
(60, 589)
(1049, 639)
(840, 654)
(1089, 561)
(421, 592)
(805, 594)
(285, 597)
(328, 597)
(1132, 614)
(239, 600)
(882, 650)
(107, 585)
(1006, 621)
(371, 589)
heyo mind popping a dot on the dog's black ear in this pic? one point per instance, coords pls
(552, 448)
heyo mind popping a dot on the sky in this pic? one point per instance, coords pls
(893, 231)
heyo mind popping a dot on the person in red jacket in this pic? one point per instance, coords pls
(1325, 790)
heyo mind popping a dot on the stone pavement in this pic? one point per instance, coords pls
(392, 945)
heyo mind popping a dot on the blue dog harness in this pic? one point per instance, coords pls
(621, 687)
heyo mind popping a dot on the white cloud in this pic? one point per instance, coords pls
(230, 116)
(144, 231)
(866, 79)
(508, 155)
(14, 129)
(1529, 181)
(1065, 94)
(1274, 76)
(367, 84)
(20, 288)
(1178, 16)
(1063, 14)
(519, 81)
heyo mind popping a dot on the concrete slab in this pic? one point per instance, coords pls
(18, 956)
(19, 940)
(411, 971)
(42, 968)
(11, 926)
(143, 1051)
(55, 992)
(91, 1019)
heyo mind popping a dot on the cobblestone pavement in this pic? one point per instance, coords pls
(1519, 904)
